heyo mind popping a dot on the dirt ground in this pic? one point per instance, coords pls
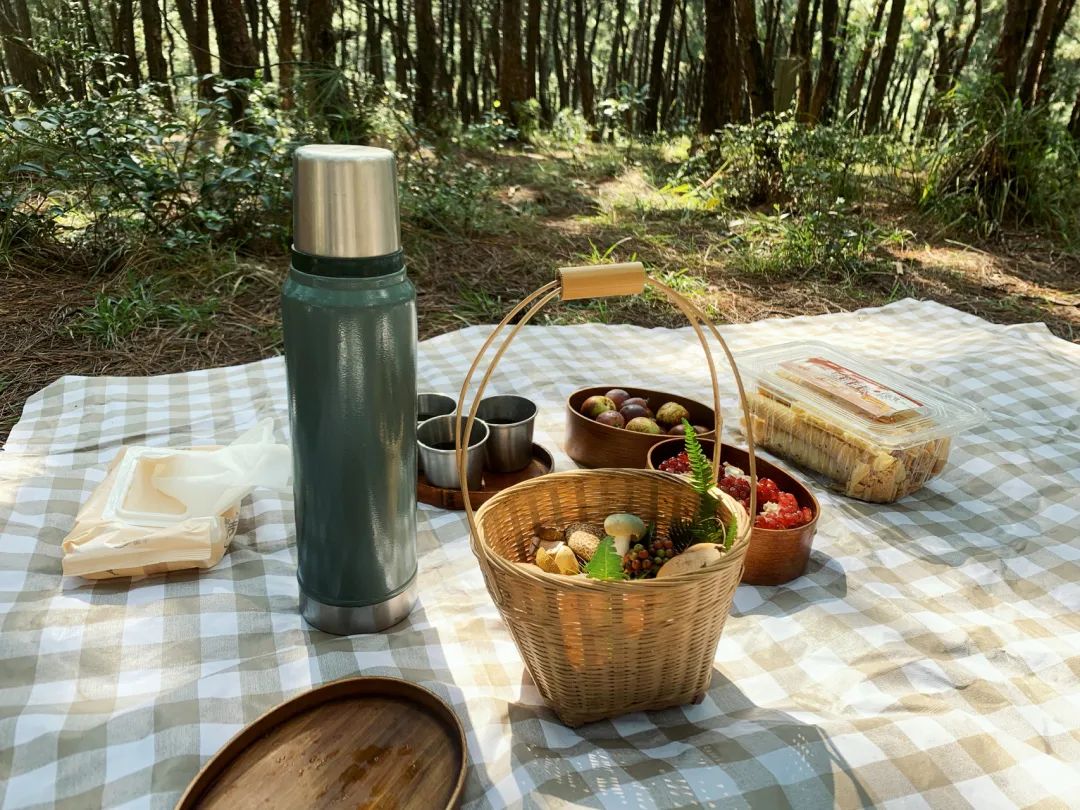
(475, 277)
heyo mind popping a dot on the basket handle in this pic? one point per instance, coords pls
(597, 281)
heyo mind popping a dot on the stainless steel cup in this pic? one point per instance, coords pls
(435, 438)
(510, 420)
(430, 404)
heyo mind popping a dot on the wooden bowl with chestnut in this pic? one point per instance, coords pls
(608, 426)
(775, 556)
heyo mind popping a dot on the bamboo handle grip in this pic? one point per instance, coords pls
(601, 280)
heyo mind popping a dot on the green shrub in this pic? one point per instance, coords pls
(124, 166)
(1000, 164)
(451, 196)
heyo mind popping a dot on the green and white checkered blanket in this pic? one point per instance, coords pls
(930, 657)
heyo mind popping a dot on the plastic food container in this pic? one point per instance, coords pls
(877, 434)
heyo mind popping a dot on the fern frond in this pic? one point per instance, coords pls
(700, 466)
(701, 473)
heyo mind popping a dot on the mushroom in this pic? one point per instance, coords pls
(566, 562)
(546, 560)
(624, 529)
(699, 555)
(583, 539)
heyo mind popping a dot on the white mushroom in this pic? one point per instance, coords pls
(699, 555)
(624, 529)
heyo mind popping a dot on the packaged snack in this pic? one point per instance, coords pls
(167, 509)
(878, 434)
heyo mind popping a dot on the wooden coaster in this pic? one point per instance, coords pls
(542, 463)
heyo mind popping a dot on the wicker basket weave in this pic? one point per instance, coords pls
(601, 649)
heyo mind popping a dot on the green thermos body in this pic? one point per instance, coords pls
(349, 325)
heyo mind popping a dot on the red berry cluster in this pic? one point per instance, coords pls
(789, 515)
(677, 464)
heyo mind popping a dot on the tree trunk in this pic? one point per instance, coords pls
(195, 19)
(126, 22)
(545, 67)
(236, 53)
(885, 63)
(424, 103)
(156, 68)
(772, 32)
(1015, 30)
(401, 48)
(1046, 72)
(800, 50)
(721, 97)
(584, 68)
(373, 30)
(656, 63)
(1037, 53)
(832, 103)
(560, 72)
(532, 46)
(512, 80)
(467, 108)
(854, 91)
(827, 71)
(756, 69)
(976, 24)
(611, 80)
(286, 43)
(19, 54)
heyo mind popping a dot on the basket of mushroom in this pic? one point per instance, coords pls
(614, 583)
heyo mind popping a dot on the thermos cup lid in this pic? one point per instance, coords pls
(345, 201)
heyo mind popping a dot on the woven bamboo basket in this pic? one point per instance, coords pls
(601, 649)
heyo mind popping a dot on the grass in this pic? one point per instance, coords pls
(497, 230)
(113, 318)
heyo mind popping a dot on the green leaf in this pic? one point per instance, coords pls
(606, 564)
(730, 532)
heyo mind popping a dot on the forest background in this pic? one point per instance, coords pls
(767, 157)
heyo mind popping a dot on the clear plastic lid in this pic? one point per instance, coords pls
(855, 395)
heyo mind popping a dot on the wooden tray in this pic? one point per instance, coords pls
(358, 742)
(542, 463)
(775, 556)
(592, 444)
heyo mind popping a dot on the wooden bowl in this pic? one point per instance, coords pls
(366, 741)
(592, 444)
(775, 556)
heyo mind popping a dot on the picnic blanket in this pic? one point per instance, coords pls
(930, 656)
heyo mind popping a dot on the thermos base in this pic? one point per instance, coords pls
(347, 621)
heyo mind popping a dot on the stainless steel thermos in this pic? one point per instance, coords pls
(349, 322)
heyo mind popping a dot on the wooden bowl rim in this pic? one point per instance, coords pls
(654, 437)
(363, 685)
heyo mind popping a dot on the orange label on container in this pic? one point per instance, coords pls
(861, 393)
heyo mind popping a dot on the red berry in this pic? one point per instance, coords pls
(767, 491)
(788, 504)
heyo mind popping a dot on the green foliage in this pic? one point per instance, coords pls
(112, 319)
(606, 564)
(452, 196)
(837, 244)
(493, 131)
(701, 475)
(707, 527)
(113, 168)
(730, 532)
(1001, 164)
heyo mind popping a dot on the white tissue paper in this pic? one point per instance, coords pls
(166, 509)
